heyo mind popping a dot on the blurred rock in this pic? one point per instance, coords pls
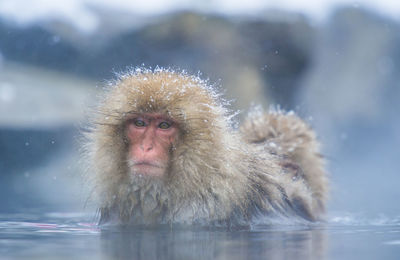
(37, 98)
(352, 93)
(274, 52)
(357, 59)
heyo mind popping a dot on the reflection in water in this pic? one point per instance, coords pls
(76, 236)
(201, 244)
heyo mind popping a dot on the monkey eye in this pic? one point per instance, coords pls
(139, 123)
(164, 125)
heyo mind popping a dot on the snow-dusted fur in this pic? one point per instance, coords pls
(295, 143)
(217, 175)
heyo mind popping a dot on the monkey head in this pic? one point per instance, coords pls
(167, 135)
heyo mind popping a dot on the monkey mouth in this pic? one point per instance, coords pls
(146, 168)
(144, 163)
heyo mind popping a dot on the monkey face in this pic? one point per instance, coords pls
(151, 138)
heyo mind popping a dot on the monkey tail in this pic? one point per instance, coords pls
(292, 139)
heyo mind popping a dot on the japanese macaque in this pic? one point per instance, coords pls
(163, 150)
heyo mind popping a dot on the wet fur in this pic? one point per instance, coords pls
(217, 175)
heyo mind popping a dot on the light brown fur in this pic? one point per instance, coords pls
(217, 175)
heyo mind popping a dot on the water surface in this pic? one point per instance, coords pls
(76, 236)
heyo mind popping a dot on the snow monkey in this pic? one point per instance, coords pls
(163, 149)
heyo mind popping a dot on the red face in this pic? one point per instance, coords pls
(151, 138)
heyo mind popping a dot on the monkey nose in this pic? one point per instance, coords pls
(147, 142)
(147, 147)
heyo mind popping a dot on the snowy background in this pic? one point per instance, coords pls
(336, 63)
